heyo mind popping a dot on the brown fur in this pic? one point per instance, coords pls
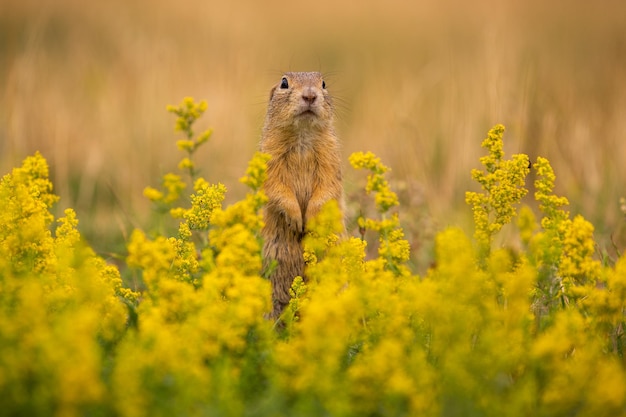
(304, 172)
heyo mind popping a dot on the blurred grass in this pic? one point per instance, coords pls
(418, 83)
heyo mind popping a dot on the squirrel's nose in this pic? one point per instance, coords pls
(309, 95)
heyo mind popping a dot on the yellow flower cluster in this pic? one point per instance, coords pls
(255, 174)
(201, 335)
(549, 204)
(563, 253)
(188, 111)
(385, 198)
(503, 187)
(394, 250)
(206, 199)
(61, 306)
(536, 330)
(179, 254)
(174, 185)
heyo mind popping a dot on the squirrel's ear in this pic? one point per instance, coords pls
(272, 93)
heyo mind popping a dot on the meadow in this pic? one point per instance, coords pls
(486, 331)
(482, 274)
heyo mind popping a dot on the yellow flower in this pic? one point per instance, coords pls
(185, 145)
(188, 112)
(174, 185)
(204, 136)
(185, 164)
(153, 194)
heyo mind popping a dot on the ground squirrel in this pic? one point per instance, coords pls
(303, 173)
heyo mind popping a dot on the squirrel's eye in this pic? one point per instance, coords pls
(284, 83)
(323, 84)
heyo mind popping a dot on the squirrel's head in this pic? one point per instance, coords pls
(300, 101)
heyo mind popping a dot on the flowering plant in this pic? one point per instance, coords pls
(534, 328)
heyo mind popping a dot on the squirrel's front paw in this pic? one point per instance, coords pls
(294, 221)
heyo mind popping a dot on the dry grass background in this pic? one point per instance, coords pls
(418, 82)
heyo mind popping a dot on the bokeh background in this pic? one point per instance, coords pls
(417, 82)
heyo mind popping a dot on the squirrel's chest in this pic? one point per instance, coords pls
(301, 168)
(298, 171)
